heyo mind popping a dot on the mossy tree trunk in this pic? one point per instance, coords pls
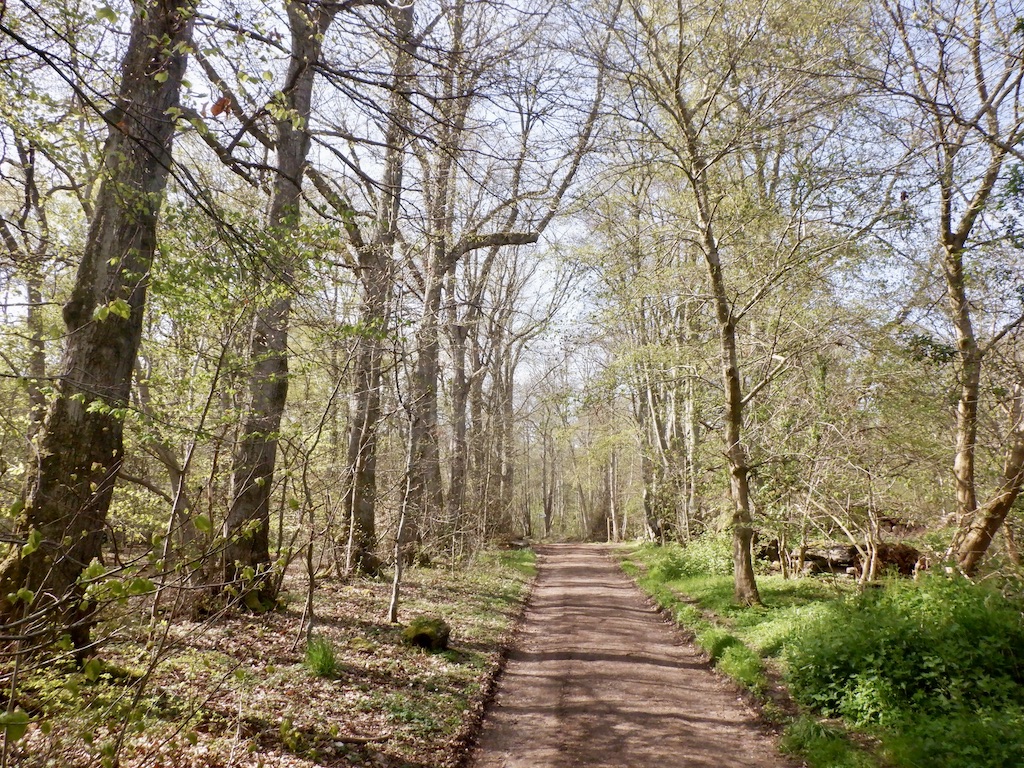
(79, 445)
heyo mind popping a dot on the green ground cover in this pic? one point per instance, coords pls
(911, 674)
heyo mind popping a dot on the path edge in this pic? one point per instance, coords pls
(469, 734)
(777, 692)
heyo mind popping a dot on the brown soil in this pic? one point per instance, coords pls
(600, 679)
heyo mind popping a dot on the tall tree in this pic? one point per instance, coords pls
(79, 455)
(247, 526)
(727, 95)
(955, 69)
(373, 244)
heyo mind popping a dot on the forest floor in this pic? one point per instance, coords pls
(599, 678)
(237, 690)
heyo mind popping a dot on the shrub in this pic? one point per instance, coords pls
(933, 647)
(708, 555)
(667, 564)
(979, 739)
(321, 658)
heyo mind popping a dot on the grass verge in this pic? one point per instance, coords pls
(911, 674)
(748, 644)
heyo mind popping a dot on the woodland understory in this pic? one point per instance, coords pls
(314, 292)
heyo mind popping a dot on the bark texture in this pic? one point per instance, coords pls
(79, 445)
(247, 526)
(376, 277)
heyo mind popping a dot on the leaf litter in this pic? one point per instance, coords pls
(232, 691)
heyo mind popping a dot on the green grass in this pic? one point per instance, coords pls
(321, 657)
(742, 642)
(929, 672)
(522, 561)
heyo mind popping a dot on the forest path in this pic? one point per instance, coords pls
(598, 678)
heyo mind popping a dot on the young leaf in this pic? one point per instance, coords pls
(14, 724)
(35, 538)
(93, 668)
(120, 307)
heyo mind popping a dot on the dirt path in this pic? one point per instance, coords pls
(599, 679)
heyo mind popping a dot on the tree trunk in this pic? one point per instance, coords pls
(548, 481)
(69, 488)
(988, 519)
(459, 459)
(361, 496)
(247, 526)
(423, 500)
(969, 370)
(376, 276)
(744, 583)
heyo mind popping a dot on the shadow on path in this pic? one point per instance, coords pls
(599, 679)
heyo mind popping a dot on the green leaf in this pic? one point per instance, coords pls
(94, 571)
(120, 307)
(101, 313)
(16, 508)
(93, 669)
(202, 524)
(139, 586)
(26, 595)
(106, 13)
(14, 724)
(161, 76)
(35, 538)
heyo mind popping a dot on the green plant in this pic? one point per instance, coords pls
(715, 641)
(321, 657)
(708, 555)
(742, 664)
(822, 745)
(986, 738)
(523, 561)
(928, 648)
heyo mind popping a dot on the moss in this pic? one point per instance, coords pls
(430, 632)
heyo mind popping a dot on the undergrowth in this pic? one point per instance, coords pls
(930, 672)
(237, 689)
(935, 666)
